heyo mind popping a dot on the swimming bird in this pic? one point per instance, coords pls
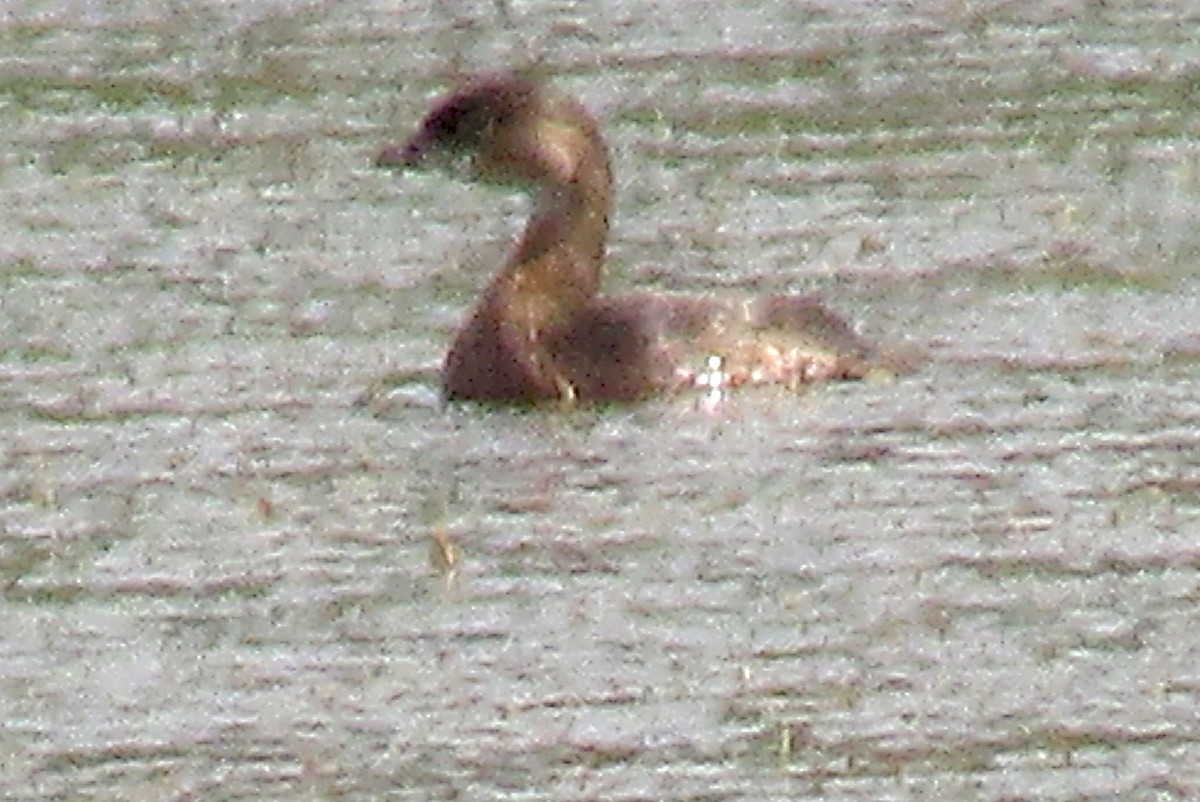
(543, 330)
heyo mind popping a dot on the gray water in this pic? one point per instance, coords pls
(221, 569)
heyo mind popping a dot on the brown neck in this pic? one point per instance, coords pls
(571, 218)
(555, 270)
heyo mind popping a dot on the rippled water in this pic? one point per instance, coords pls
(224, 577)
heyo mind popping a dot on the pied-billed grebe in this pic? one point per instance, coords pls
(542, 331)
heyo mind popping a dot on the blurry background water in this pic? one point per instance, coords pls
(980, 581)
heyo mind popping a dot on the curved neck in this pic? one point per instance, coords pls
(571, 217)
(556, 267)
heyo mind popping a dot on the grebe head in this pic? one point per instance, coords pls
(511, 128)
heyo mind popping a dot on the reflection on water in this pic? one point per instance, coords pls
(225, 578)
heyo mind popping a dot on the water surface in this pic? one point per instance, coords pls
(979, 581)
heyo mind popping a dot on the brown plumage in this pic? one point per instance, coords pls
(542, 330)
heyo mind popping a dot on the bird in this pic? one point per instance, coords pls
(543, 331)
